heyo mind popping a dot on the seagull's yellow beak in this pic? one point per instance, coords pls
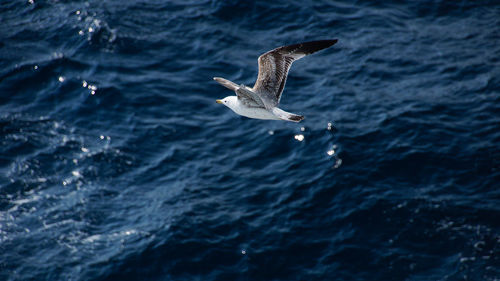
(218, 101)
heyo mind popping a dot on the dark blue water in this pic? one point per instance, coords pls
(117, 164)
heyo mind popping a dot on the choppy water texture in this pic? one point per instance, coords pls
(117, 164)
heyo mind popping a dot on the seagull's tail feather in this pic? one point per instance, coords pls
(226, 83)
(295, 118)
(287, 116)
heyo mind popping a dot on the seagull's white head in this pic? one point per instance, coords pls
(230, 101)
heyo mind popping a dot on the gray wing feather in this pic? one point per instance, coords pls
(248, 97)
(275, 64)
(226, 83)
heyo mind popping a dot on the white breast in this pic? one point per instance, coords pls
(254, 112)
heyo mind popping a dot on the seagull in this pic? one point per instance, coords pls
(261, 101)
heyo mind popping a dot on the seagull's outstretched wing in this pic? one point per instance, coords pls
(274, 66)
(249, 98)
(226, 83)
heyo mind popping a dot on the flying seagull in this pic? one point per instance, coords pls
(261, 101)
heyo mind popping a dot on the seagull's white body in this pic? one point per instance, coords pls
(251, 112)
(261, 101)
(236, 105)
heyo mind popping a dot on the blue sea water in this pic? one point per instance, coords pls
(117, 164)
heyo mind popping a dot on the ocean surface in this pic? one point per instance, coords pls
(117, 164)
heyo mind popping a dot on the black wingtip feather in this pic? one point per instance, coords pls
(310, 47)
(314, 46)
